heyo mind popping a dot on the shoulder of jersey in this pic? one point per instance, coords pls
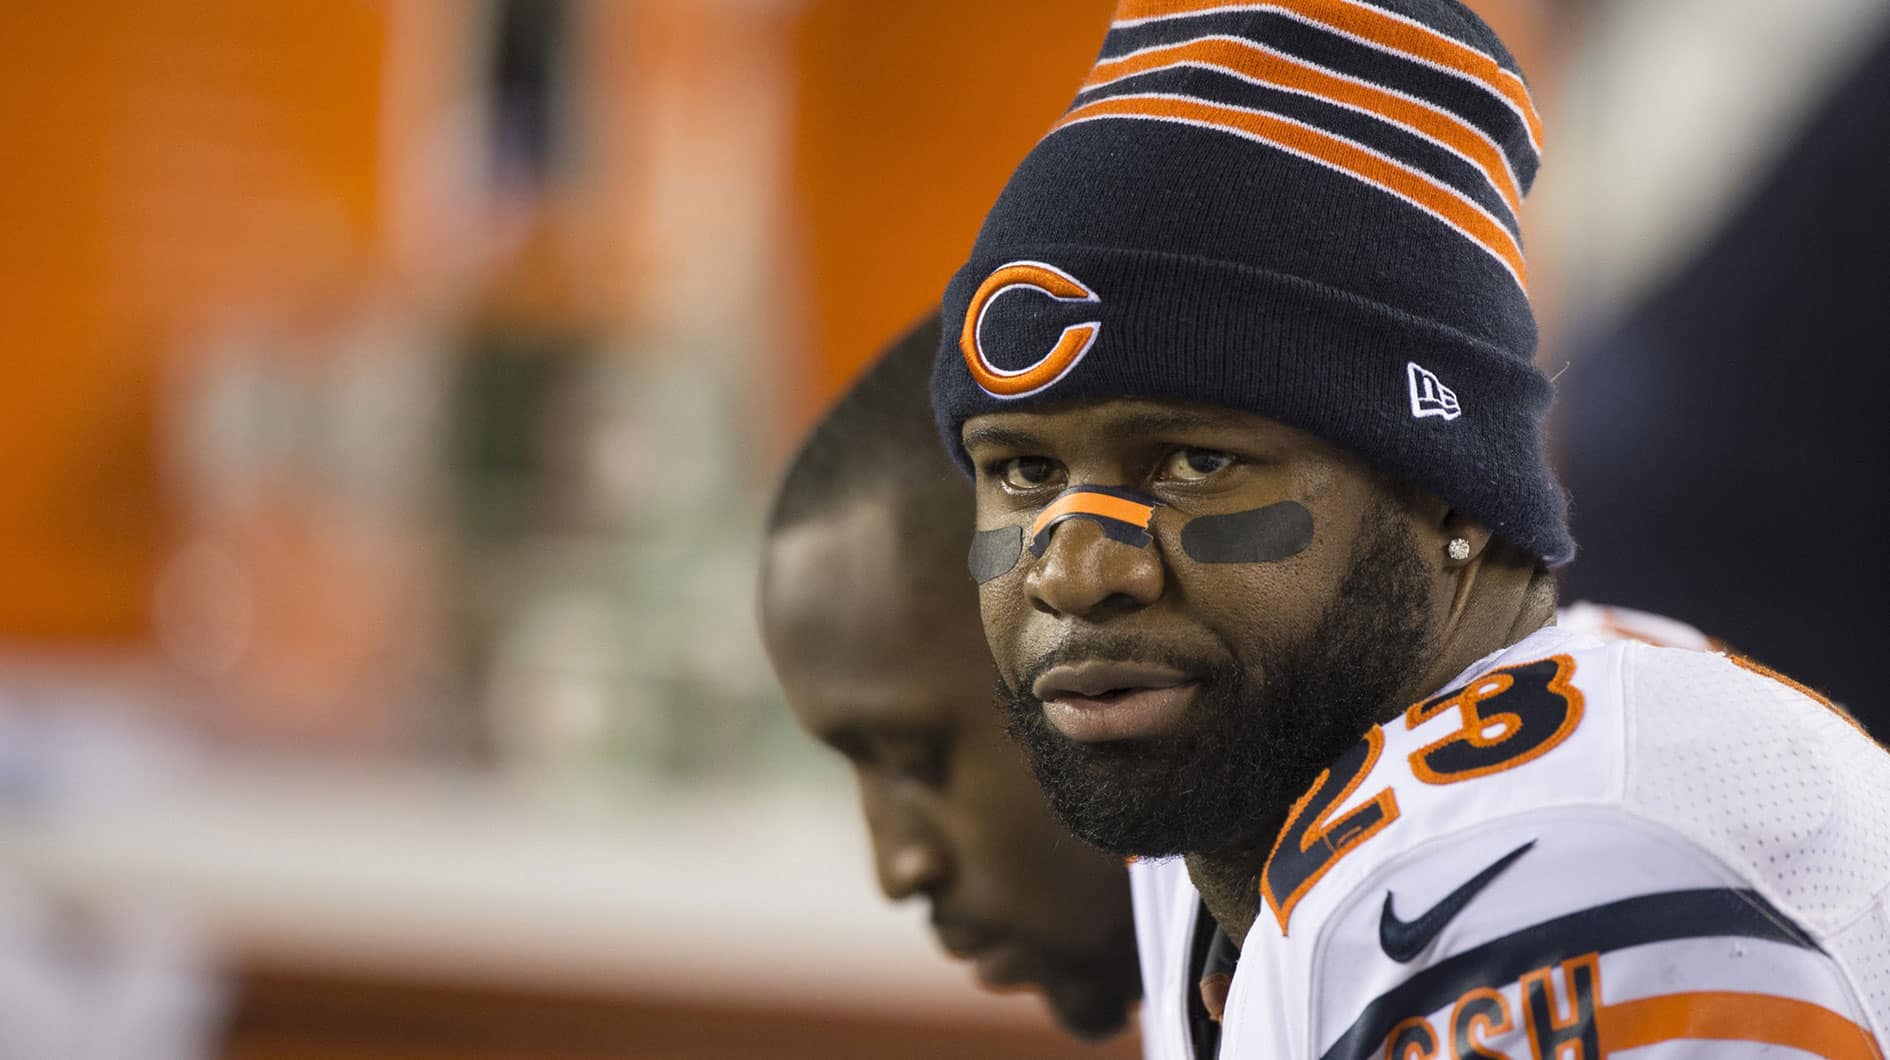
(1570, 719)
(1562, 791)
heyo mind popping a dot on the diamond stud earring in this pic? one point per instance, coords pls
(1458, 549)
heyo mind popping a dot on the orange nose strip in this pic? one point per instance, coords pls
(1124, 515)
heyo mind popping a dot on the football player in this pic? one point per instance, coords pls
(1241, 365)
(873, 630)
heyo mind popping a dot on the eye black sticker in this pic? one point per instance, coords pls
(1124, 515)
(994, 552)
(1262, 535)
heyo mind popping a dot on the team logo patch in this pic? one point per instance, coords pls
(1429, 395)
(1045, 372)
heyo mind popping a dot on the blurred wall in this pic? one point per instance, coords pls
(166, 159)
(908, 120)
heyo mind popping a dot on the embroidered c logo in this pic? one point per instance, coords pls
(1051, 367)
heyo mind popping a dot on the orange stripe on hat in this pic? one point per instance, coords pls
(1251, 62)
(1134, 513)
(1731, 1017)
(1420, 189)
(1376, 27)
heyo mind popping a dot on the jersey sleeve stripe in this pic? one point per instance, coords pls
(1637, 921)
(1725, 1017)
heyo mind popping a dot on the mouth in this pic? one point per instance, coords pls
(1001, 966)
(1096, 700)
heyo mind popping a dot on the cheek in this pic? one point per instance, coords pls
(1256, 606)
(1272, 534)
(1002, 608)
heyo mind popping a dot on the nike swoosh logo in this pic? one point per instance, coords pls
(1403, 940)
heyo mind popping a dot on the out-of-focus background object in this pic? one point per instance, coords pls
(1726, 442)
(394, 386)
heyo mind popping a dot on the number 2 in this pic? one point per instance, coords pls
(1312, 841)
(1508, 717)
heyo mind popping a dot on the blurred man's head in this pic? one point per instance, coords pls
(873, 629)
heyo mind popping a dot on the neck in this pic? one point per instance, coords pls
(1229, 883)
(1492, 607)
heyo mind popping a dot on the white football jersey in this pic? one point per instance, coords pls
(1582, 847)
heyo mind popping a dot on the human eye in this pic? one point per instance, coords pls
(922, 759)
(851, 746)
(1027, 474)
(1192, 464)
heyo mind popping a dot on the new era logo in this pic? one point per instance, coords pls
(1429, 396)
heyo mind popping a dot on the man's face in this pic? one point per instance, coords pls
(1174, 700)
(881, 656)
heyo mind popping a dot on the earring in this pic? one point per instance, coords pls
(1458, 549)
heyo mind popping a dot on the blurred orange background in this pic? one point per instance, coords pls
(396, 385)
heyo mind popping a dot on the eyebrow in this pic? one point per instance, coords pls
(854, 737)
(1166, 421)
(1137, 421)
(1001, 437)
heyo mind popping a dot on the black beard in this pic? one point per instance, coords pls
(1249, 747)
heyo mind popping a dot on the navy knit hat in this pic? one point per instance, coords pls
(1305, 209)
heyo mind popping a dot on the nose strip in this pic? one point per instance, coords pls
(1124, 515)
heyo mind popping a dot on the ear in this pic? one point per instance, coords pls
(1459, 526)
(1437, 524)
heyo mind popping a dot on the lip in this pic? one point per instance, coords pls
(964, 941)
(1003, 969)
(1000, 966)
(1098, 700)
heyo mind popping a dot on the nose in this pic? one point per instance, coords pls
(1086, 574)
(909, 854)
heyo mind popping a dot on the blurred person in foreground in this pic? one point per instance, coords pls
(873, 630)
(1241, 366)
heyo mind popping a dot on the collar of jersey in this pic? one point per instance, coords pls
(1542, 643)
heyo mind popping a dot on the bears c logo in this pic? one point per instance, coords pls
(1051, 367)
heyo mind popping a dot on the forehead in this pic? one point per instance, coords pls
(1112, 424)
(863, 631)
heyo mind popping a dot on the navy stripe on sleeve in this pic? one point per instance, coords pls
(1601, 929)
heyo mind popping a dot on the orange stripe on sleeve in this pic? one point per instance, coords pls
(1253, 62)
(1379, 28)
(1136, 515)
(1440, 200)
(1731, 1017)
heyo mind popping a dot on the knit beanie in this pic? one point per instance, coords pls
(1305, 209)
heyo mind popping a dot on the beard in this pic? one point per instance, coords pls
(1089, 1012)
(1250, 745)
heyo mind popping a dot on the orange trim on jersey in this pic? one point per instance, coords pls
(1620, 632)
(1322, 827)
(1480, 1024)
(1420, 189)
(1746, 662)
(1484, 689)
(1415, 1049)
(1380, 29)
(1134, 513)
(1722, 1016)
(1544, 979)
(1251, 61)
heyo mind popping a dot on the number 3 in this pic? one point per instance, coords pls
(1509, 717)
